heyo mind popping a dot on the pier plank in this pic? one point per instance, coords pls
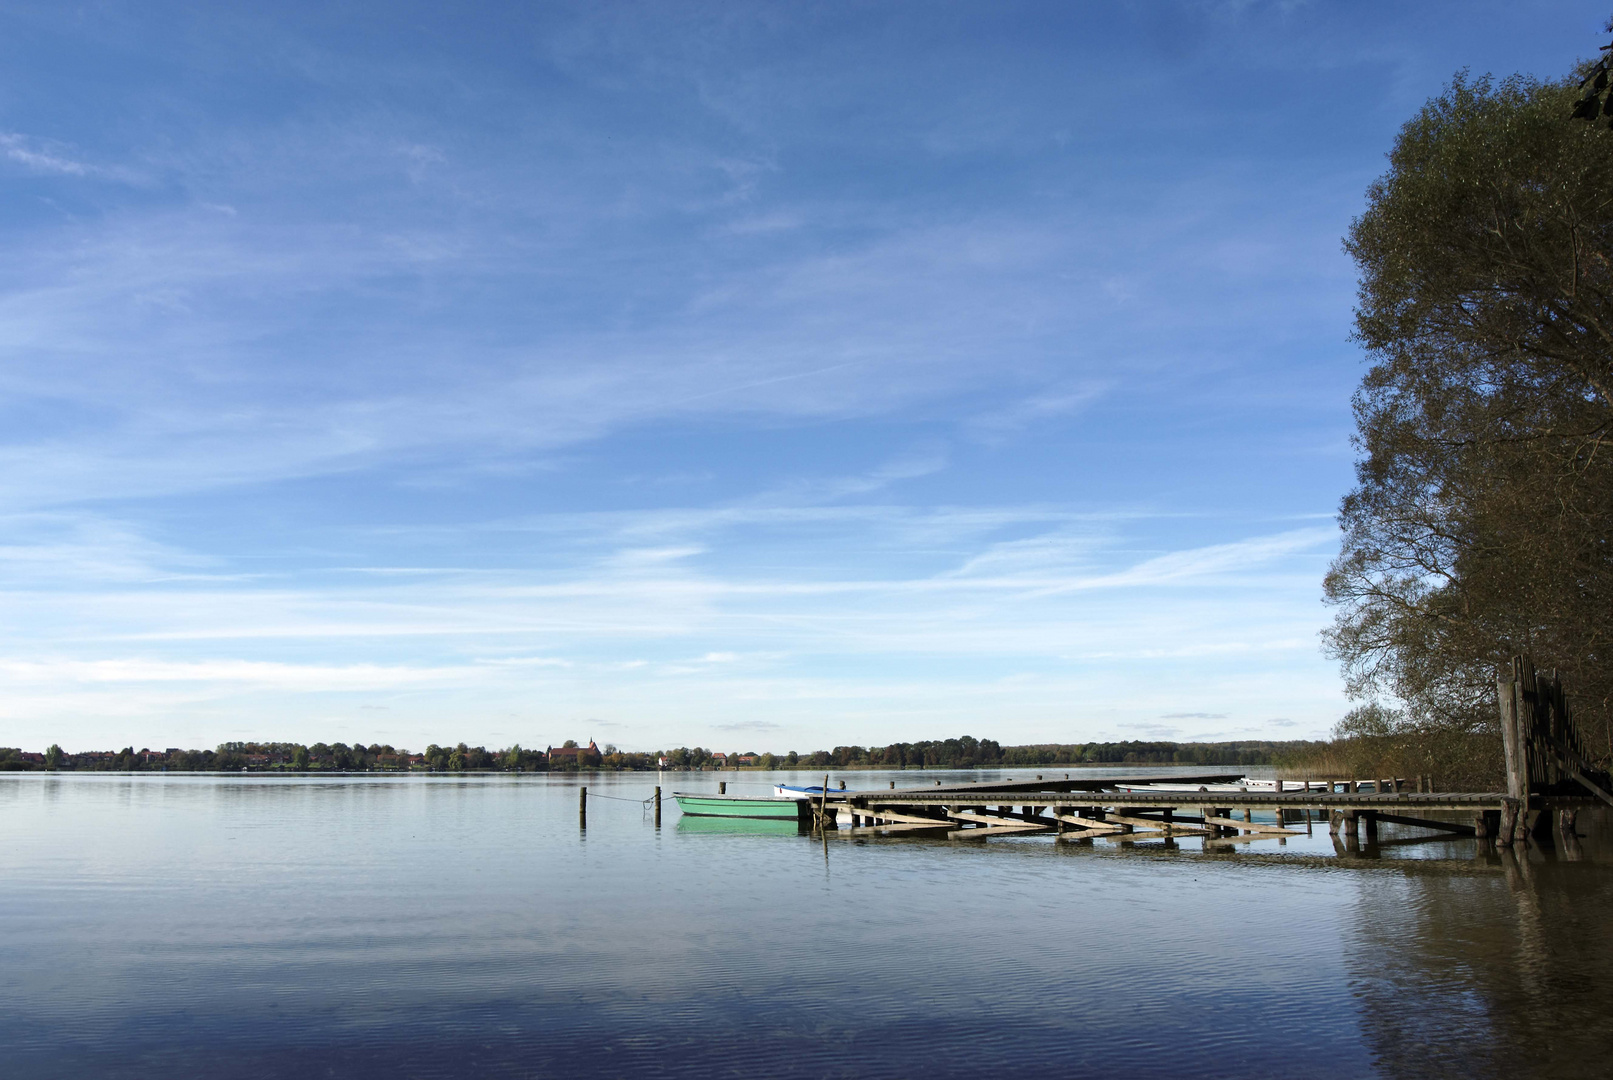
(1000, 823)
(1092, 824)
(1253, 826)
(989, 830)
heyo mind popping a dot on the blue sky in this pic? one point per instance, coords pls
(751, 375)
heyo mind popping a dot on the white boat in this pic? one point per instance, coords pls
(1258, 787)
(790, 791)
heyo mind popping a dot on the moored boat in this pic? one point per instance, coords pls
(740, 806)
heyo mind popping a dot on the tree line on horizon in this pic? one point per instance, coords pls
(963, 752)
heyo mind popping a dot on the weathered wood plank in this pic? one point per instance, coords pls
(1252, 826)
(991, 830)
(1088, 823)
(899, 815)
(1428, 823)
(1000, 823)
(1156, 834)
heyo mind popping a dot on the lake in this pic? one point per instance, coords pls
(167, 925)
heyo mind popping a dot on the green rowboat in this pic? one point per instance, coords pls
(741, 806)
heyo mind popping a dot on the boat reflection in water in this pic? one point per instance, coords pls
(737, 826)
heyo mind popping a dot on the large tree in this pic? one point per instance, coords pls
(1480, 525)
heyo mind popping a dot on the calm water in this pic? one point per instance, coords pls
(168, 926)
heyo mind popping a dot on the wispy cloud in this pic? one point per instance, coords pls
(38, 156)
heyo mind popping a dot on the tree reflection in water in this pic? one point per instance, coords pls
(1490, 968)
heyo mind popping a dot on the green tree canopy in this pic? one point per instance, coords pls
(1483, 510)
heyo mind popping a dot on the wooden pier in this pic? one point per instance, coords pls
(1106, 810)
(1549, 778)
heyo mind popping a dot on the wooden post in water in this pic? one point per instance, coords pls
(582, 808)
(722, 787)
(1515, 746)
(658, 806)
(1509, 822)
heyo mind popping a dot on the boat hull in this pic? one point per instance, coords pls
(739, 806)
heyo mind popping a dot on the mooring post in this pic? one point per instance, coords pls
(1515, 748)
(1481, 825)
(1210, 830)
(722, 787)
(658, 806)
(1371, 826)
(582, 808)
(1509, 822)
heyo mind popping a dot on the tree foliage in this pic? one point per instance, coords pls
(1480, 523)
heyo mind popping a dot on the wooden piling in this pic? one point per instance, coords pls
(722, 787)
(1509, 822)
(1514, 743)
(582, 808)
(658, 806)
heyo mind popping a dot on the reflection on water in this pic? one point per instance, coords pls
(738, 826)
(431, 927)
(1495, 968)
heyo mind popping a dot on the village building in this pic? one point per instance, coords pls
(582, 755)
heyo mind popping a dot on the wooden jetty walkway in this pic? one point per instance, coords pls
(1125, 809)
(1549, 778)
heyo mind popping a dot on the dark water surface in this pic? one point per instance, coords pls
(221, 926)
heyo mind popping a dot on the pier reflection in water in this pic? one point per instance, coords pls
(1495, 966)
(463, 927)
